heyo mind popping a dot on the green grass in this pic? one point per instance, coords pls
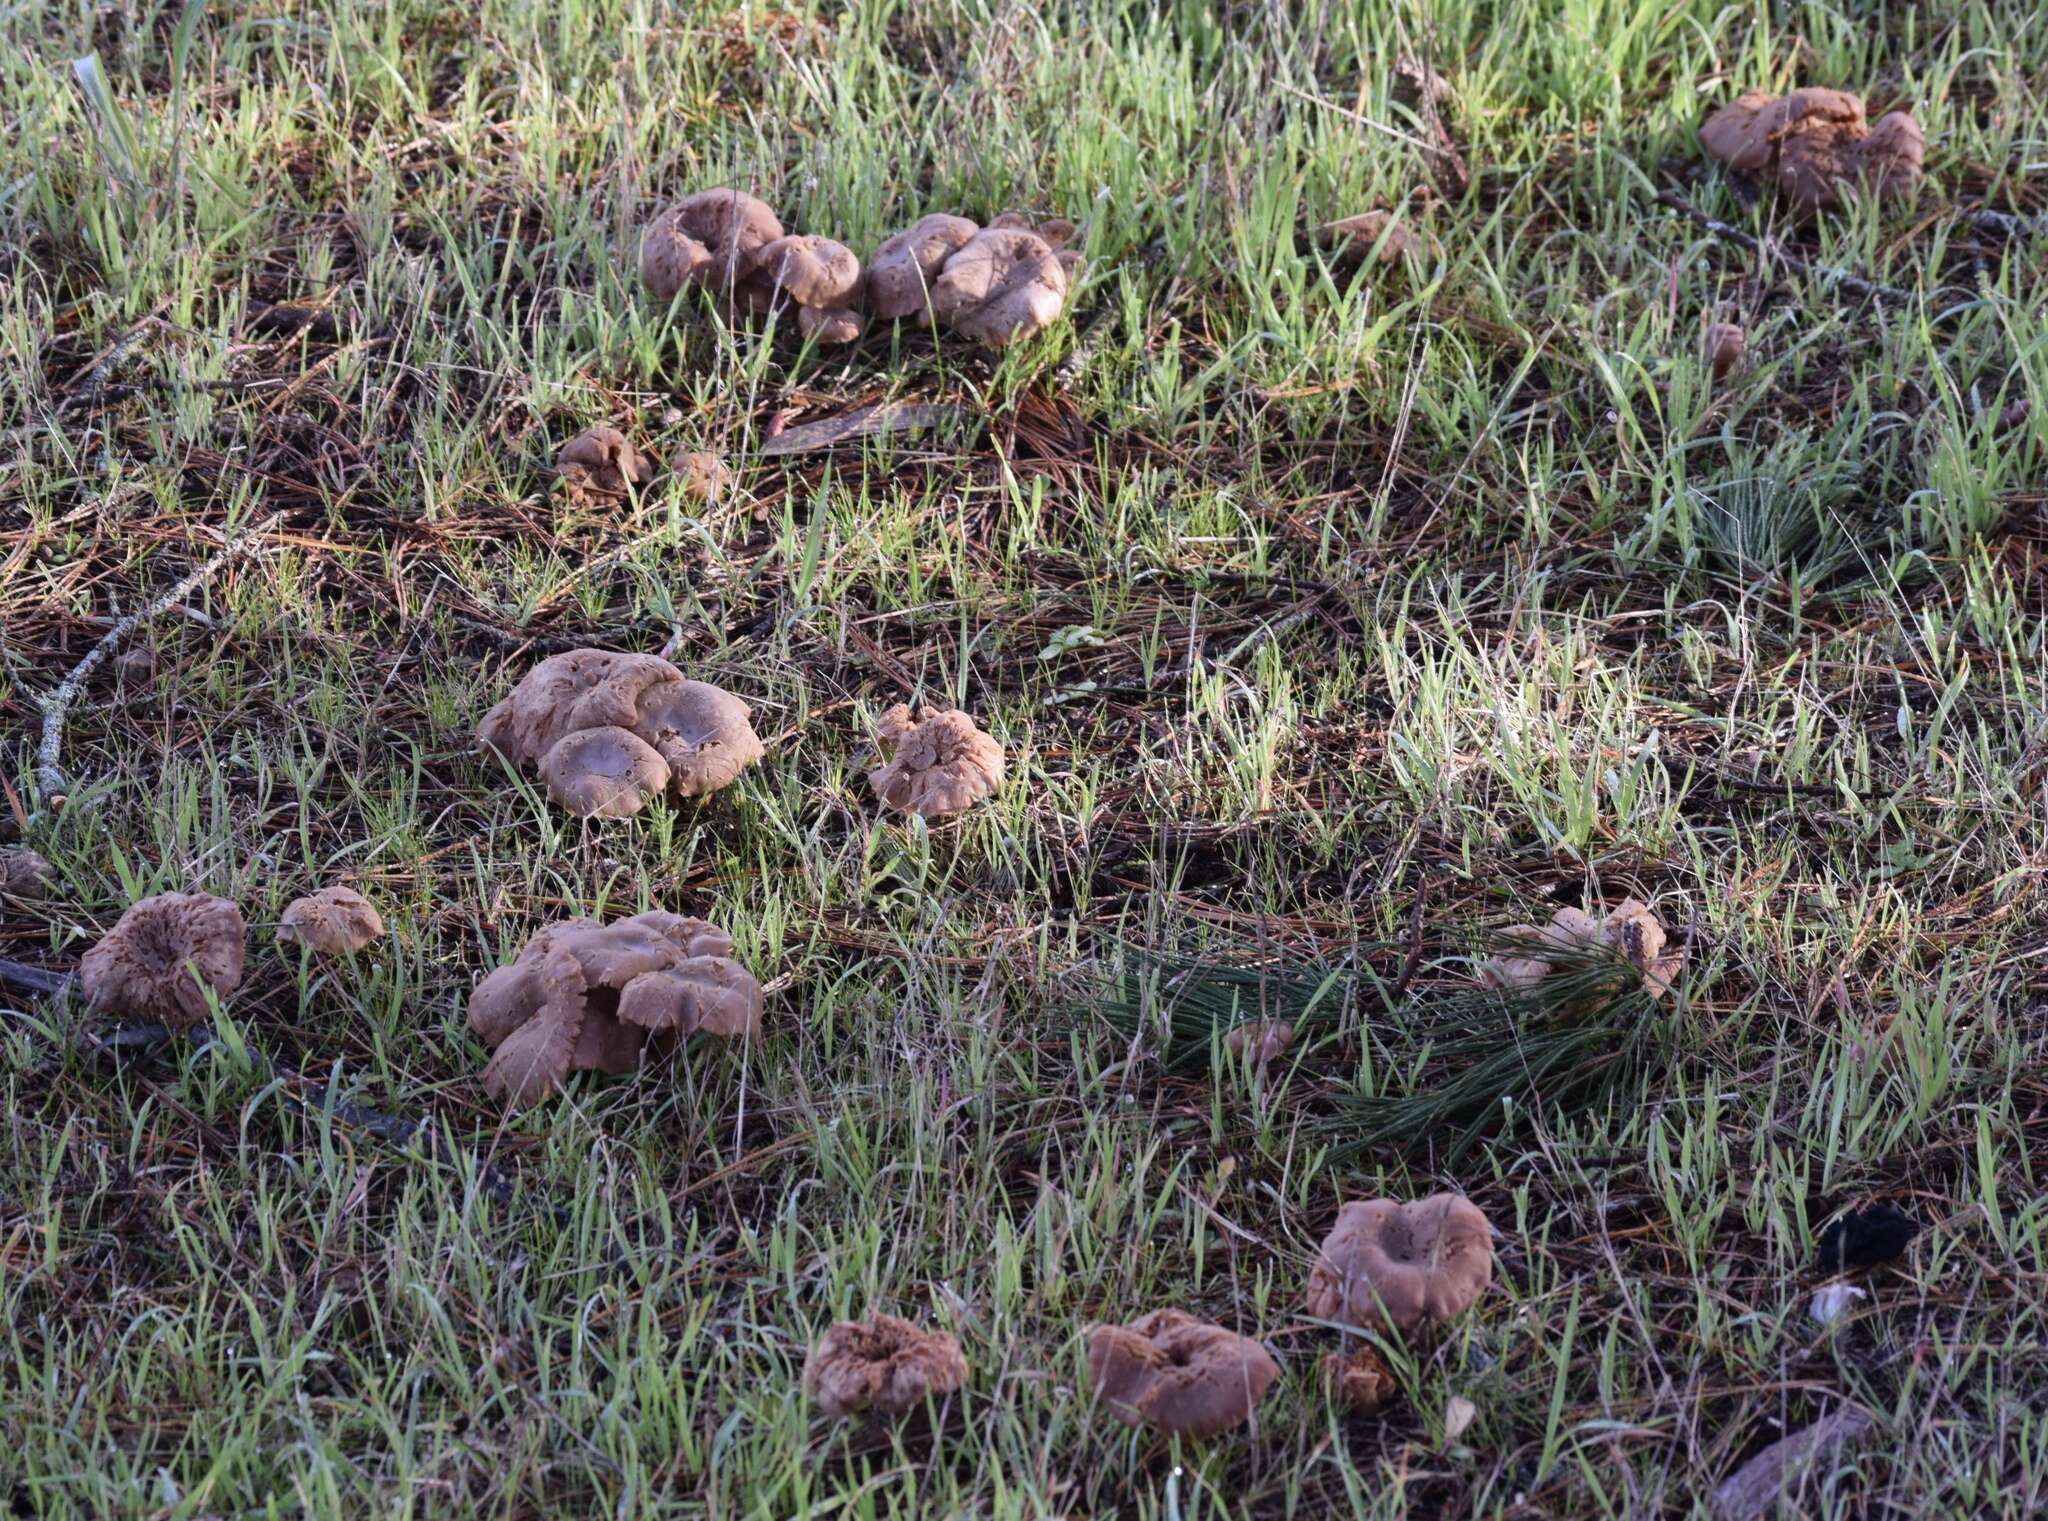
(1292, 598)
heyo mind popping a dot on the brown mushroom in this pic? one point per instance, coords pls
(1351, 240)
(1178, 1374)
(626, 727)
(152, 963)
(1725, 348)
(600, 465)
(136, 665)
(1635, 933)
(903, 269)
(881, 1363)
(941, 762)
(1005, 283)
(1266, 1039)
(821, 279)
(702, 475)
(335, 921)
(1630, 930)
(1815, 145)
(585, 996)
(1400, 1266)
(1361, 1377)
(24, 873)
(712, 238)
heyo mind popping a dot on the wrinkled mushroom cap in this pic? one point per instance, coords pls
(1400, 1266)
(1178, 1374)
(810, 270)
(601, 462)
(901, 273)
(1894, 156)
(1004, 284)
(1361, 1377)
(703, 475)
(335, 921)
(1743, 133)
(144, 966)
(1512, 971)
(829, 328)
(881, 1363)
(1634, 932)
(584, 996)
(24, 873)
(1724, 348)
(1351, 240)
(1814, 144)
(713, 238)
(648, 727)
(1266, 1039)
(942, 763)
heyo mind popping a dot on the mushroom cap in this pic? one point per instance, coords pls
(24, 873)
(830, 327)
(335, 921)
(1005, 283)
(699, 734)
(881, 1363)
(1512, 971)
(145, 965)
(703, 475)
(811, 271)
(1743, 133)
(1633, 931)
(901, 273)
(942, 764)
(1816, 145)
(1179, 1374)
(585, 996)
(1361, 1377)
(1399, 1266)
(713, 237)
(1724, 348)
(1893, 157)
(603, 773)
(1267, 1039)
(602, 462)
(1352, 239)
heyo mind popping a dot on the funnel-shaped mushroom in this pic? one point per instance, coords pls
(1004, 284)
(881, 1363)
(608, 732)
(24, 873)
(904, 268)
(942, 763)
(584, 996)
(821, 279)
(1815, 146)
(713, 238)
(1400, 1266)
(1178, 1374)
(1360, 1376)
(601, 465)
(151, 963)
(335, 921)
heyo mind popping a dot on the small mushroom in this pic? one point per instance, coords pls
(585, 996)
(1178, 1374)
(601, 465)
(1361, 1377)
(152, 963)
(1266, 1039)
(713, 238)
(941, 762)
(24, 873)
(1634, 932)
(1725, 348)
(1401, 1266)
(703, 476)
(1815, 145)
(903, 269)
(133, 667)
(881, 1363)
(1005, 283)
(1351, 240)
(335, 921)
(1630, 930)
(821, 278)
(626, 727)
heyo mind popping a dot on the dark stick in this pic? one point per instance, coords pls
(1764, 248)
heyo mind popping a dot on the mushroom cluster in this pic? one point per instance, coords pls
(601, 466)
(1631, 931)
(1816, 147)
(161, 957)
(609, 732)
(1382, 235)
(1399, 1267)
(881, 1363)
(1178, 1374)
(589, 997)
(940, 762)
(994, 284)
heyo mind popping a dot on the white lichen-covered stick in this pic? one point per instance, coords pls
(49, 777)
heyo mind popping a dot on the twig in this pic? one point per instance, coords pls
(49, 777)
(1764, 248)
(1412, 962)
(1754, 1490)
